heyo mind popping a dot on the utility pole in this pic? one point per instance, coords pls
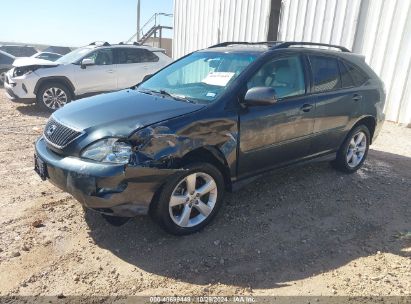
(138, 21)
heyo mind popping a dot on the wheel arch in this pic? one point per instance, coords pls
(212, 155)
(369, 122)
(59, 79)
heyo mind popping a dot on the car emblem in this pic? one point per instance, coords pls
(51, 130)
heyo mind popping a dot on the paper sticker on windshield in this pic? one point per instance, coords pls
(218, 78)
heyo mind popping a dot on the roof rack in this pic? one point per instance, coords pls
(287, 44)
(280, 44)
(227, 43)
(100, 43)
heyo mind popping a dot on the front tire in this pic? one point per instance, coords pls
(52, 96)
(354, 150)
(190, 200)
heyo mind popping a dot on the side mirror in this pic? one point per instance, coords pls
(260, 96)
(86, 62)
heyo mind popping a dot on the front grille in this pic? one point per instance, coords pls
(59, 135)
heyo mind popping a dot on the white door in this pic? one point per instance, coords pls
(100, 77)
(133, 64)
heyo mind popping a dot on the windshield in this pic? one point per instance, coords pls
(200, 77)
(74, 55)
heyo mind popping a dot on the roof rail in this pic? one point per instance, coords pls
(227, 43)
(287, 44)
(100, 43)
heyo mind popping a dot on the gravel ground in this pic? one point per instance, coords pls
(307, 230)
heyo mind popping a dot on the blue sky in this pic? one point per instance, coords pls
(76, 22)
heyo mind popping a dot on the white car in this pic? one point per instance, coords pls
(85, 71)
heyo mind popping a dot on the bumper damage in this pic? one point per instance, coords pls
(112, 189)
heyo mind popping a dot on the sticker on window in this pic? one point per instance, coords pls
(218, 78)
(211, 94)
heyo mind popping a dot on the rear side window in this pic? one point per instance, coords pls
(346, 79)
(359, 77)
(326, 75)
(131, 55)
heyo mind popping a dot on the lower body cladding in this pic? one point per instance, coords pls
(111, 189)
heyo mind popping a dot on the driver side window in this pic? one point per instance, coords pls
(285, 75)
(101, 57)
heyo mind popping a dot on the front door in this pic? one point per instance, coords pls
(279, 133)
(100, 77)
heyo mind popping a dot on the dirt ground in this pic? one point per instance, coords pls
(308, 230)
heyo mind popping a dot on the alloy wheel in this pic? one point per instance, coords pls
(193, 199)
(54, 98)
(356, 149)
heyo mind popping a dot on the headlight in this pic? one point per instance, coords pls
(109, 150)
(26, 70)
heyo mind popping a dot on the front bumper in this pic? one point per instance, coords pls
(20, 89)
(112, 189)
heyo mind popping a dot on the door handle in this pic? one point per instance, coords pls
(110, 71)
(306, 107)
(356, 97)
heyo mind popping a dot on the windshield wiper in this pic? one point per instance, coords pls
(174, 96)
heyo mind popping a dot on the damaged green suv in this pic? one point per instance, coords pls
(172, 145)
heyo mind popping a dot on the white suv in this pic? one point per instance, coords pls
(86, 71)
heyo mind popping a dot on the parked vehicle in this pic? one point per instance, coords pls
(208, 123)
(19, 50)
(47, 56)
(6, 63)
(92, 69)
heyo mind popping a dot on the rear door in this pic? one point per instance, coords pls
(279, 133)
(337, 102)
(100, 77)
(133, 64)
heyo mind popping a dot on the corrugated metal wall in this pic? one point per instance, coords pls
(201, 23)
(378, 29)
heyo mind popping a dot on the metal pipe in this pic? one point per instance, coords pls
(138, 21)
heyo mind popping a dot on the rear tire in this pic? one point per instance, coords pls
(353, 151)
(190, 200)
(52, 96)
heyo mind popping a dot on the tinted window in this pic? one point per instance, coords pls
(326, 74)
(149, 56)
(358, 76)
(346, 79)
(102, 57)
(131, 55)
(285, 75)
(5, 59)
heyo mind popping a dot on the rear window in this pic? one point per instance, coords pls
(326, 75)
(359, 77)
(130, 55)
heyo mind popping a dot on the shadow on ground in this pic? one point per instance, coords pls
(289, 225)
(32, 110)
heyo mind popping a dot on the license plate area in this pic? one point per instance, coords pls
(40, 167)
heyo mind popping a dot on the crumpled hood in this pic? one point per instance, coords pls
(31, 61)
(121, 113)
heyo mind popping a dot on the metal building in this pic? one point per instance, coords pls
(378, 29)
